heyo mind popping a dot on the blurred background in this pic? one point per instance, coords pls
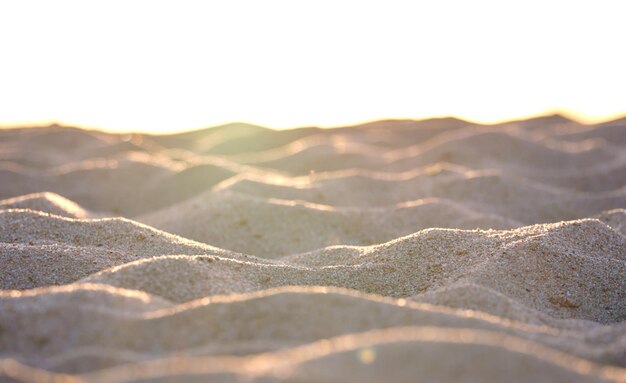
(155, 66)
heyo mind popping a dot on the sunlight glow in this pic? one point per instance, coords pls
(160, 66)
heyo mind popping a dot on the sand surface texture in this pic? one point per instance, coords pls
(394, 251)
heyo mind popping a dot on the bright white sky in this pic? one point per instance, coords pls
(164, 66)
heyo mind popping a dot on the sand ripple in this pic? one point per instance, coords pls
(399, 250)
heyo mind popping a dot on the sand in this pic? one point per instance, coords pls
(398, 250)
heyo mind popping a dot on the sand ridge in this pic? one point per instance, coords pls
(258, 323)
(46, 202)
(421, 347)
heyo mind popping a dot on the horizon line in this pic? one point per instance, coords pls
(566, 115)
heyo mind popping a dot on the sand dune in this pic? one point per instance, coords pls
(203, 140)
(275, 219)
(474, 256)
(544, 123)
(260, 322)
(605, 177)
(88, 183)
(482, 148)
(399, 354)
(49, 146)
(46, 202)
(348, 254)
(39, 249)
(27, 226)
(102, 181)
(471, 296)
(615, 218)
(273, 227)
(485, 191)
(612, 133)
(108, 186)
(422, 262)
(239, 138)
(26, 266)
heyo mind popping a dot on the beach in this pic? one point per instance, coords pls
(435, 250)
